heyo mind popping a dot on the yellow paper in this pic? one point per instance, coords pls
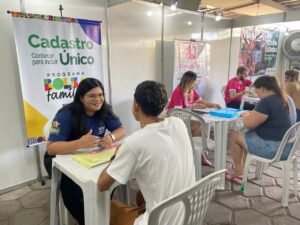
(94, 158)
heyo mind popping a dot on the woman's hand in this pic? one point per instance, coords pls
(199, 106)
(106, 141)
(217, 106)
(88, 141)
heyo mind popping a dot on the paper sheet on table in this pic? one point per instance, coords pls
(206, 110)
(95, 158)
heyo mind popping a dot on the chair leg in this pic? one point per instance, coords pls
(259, 169)
(245, 174)
(242, 104)
(295, 176)
(286, 168)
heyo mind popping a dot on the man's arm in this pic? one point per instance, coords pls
(105, 181)
(234, 95)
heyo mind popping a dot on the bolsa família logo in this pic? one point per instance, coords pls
(61, 88)
(65, 58)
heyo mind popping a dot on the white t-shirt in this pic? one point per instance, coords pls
(160, 158)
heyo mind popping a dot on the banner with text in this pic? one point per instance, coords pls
(54, 55)
(193, 56)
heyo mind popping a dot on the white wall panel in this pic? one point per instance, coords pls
(132, 40)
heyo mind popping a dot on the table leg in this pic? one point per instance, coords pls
(55, 192)
(221, 132)
(96, 205)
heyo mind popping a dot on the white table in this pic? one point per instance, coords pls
(220, 137)
(96, 203)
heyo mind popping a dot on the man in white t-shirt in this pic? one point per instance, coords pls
(159, 156)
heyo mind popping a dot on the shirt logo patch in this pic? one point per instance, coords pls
(55, 124)
(101, 128)
(54, 128)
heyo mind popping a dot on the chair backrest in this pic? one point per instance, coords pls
(223, 88)
(195, 199)
(292, 135)
(187, 116)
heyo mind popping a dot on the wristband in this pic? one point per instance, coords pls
(113, 138)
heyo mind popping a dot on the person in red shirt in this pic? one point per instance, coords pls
(236, 89)
(185, 96)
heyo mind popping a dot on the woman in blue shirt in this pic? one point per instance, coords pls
(80, 125)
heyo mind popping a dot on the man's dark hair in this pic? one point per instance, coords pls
(151, 96)
(241, 69)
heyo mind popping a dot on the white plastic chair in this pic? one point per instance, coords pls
(287, 164)
(223, 88)
(195, 199)
(199, 144)
(63, 212)
(246, 98)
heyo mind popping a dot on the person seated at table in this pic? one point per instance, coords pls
(159, 156)
(235, 89)
(185, 96)
(80, 125)
(292, 88)
(272, 116)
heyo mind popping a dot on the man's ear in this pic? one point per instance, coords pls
(135, 106)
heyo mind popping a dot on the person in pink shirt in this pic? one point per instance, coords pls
(236, 89)
(185, 96)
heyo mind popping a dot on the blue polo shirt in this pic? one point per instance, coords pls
(62, 125)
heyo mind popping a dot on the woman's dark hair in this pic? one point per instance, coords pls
(151, 96)
(271, 83)
(187, 78)
(293, 74)
(79, 127)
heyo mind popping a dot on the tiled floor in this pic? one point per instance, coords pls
(260, 205)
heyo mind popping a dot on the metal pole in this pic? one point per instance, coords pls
(108, 52)
(38, 162)
(22, 6)
(162, 41)
(230, 46)
(202, 26)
